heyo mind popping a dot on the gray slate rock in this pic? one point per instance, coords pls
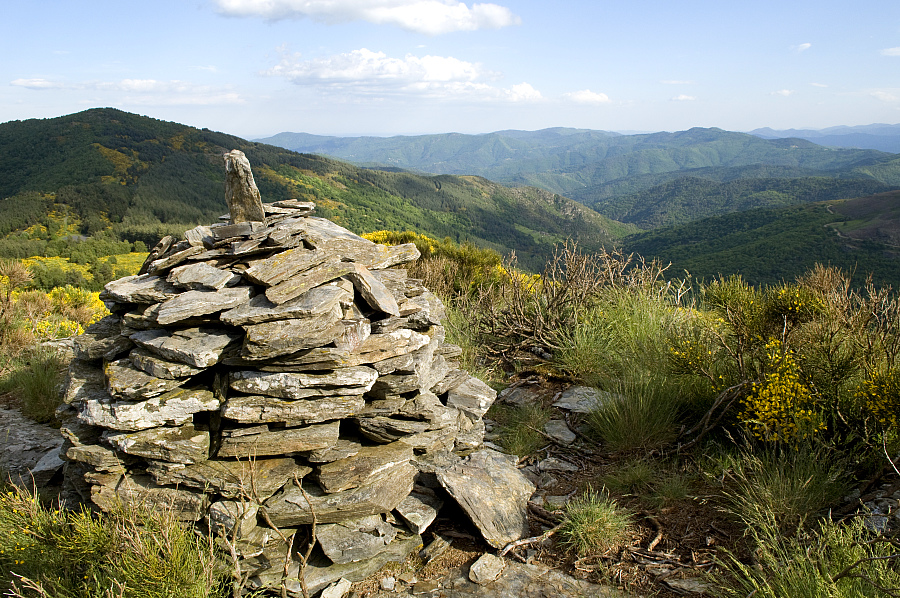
(202, 277)
(321, 572)
(241, 193)
(85, 382)
(316, 301)
(143, 288)
(419, 509)
(232, 479)
(367, 464)
(191, 304)
(140, 490)
(161, 368)
(381, 495)
(280, 441)
(259, 409)
(298, 284)
(284, 265)
(580, 399)
(373, 291)
(354, 540)
(560, 431)
(473, 483)
(173, 408)
(283, 337)
(289, 385)
(184, 444)
(199, 347)
(126, 382)
(472, 396)
(487, 568)
(102, 339)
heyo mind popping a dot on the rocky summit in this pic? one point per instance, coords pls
(259, 376)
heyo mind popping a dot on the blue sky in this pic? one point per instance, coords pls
(383, 67)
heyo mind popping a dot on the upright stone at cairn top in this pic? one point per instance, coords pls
(244, 202)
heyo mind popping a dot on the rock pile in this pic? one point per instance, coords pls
(262, 375)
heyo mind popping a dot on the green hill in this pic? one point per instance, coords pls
(860, 235)
(110, 175)
(650, 180)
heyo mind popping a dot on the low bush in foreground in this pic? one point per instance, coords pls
(132, 553)
(836, 560)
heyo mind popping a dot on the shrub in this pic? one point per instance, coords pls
(639, 415)
(781, 408)
(36, 383)
(132, 553)
(781, 487)
(594, 523)
(837, 560)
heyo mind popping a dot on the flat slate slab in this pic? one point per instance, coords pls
(191, 304)
(381, 495)
(369, 463)
(183, 444)
(144, 288)
(202, 277)
(230, 478)
(298, 385)
(278, 442)
(199, 347)
(260, 409)
(172, 408)
(316, 301)
(473, 483)
(283, 337)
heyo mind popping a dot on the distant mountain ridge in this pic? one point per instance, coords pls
(879, 136)
(603, 170)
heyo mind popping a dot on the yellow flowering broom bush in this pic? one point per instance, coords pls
(781, 407)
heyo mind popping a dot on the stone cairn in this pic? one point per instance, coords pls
(276, 370)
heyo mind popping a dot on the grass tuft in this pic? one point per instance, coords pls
(594, 523)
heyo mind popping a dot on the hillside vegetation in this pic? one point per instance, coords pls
(593, 166)
(73, 185)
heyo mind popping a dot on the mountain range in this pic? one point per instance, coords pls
(708, 201)
(877, 136)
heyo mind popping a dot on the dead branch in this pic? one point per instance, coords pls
(529, 541)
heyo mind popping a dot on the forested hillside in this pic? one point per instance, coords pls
(74, 186)
(597, 167)
(768, 246)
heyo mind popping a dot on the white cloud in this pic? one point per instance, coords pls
(818, 85)
(431, 17)
(375, 73)
(586, 96)
(683, 98)
(891, 51)
(801, 47)
(676, 82)
(783, 92)
(523, 92)
(887, 96)
(36, 84)
(144, 91)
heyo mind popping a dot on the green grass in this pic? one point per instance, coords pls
(837, 560)
(36, 381)
(521, 428)
(132, 553)
(783, 487)
(594, 523)
(638, 416)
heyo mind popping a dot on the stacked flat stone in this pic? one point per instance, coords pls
(269, 373)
